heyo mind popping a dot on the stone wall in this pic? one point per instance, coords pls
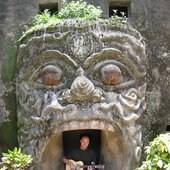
(13, 14)
(151, 18)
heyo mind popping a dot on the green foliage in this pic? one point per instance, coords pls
(119, 19)
(15, 160)
(44, 18)
(79, 9)
(73, 9)
(158, 154)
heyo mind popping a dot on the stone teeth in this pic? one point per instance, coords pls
(74, 125)
(102, 125)
(65, 127)
(81, 124)
(87, 125)
(94, 124)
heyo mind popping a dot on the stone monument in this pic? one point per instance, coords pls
(82, 75)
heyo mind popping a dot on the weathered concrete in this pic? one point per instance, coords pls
(152, 20)
(13, 14)
(82, 78)
(150, 17)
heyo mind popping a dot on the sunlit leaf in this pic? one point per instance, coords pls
(15, 160)
(158, 154)
(160, 164)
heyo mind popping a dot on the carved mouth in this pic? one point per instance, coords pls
(108, 117)
(58, 114)
(108, 146)
(98, 118)
(101, 116)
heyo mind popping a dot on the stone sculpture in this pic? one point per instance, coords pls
(82, 76)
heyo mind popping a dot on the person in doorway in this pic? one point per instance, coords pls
(83, 153)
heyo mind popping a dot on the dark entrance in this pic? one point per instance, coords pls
(71, 141)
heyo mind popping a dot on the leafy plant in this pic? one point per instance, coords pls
(79, 9)
(44, 18)
(119, 19)
(158, 154)
(73, 9)
(15, 160)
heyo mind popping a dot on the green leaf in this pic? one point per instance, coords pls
(158, 153)
(160, 163)
(15, 160)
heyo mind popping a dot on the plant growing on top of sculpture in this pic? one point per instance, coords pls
(158, 154)
(79, 9)
(44, 18)
(15, 160)
(73, 9)
(120, 19)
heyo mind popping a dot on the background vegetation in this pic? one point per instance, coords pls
(15, 160)
(158, 154)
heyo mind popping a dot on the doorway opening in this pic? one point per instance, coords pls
(168, 128)
(108, 145)
(71, 141)
(51, 7)
(119, 8)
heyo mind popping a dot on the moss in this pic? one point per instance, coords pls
(9, 64)
(8, 130)
(76, 24)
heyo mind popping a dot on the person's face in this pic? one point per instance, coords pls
(84, 143)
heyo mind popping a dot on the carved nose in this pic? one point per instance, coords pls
(82, 88)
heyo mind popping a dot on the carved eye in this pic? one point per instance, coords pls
(51, 75)
(111, 74)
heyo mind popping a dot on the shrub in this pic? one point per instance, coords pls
(79, 9)
(158, 154)
(73, 9)
(44, 18)
(15, 160)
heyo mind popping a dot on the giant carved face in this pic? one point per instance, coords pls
(88, 78)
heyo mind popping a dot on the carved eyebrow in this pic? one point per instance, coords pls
(49, 55)
(111, 61)
(55, 54)
(115, 54)
(137, 44)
